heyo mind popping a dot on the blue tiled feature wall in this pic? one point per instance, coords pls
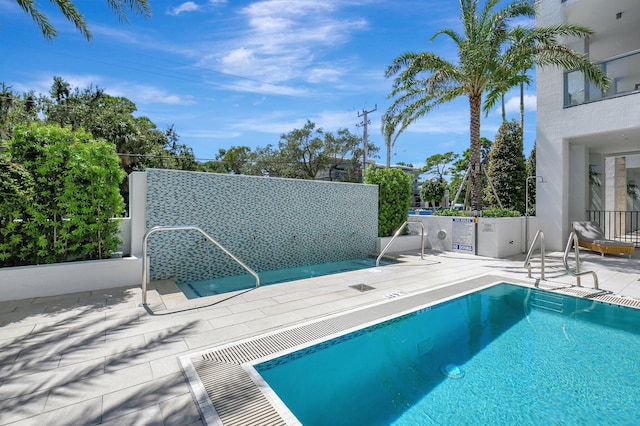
(268, 223)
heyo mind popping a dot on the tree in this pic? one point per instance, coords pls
(439, 165)
(485, 49)
(531, 173)
(461, 167)
(507, 168)
(236, 160)
(433, 190)
(69, 10)
(309, 152)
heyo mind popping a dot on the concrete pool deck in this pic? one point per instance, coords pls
(99, 358)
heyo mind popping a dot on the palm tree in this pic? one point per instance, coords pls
(486, 50)
(69, 10)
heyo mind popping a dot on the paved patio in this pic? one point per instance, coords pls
(100, 358)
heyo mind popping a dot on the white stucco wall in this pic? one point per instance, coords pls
(562, 160)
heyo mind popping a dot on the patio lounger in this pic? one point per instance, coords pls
(591, 237)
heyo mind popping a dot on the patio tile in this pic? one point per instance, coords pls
(22, 407)
(148, 416)
(43, 380)
(180, 411)
(83, 389)
(82, 413)
(141, 396)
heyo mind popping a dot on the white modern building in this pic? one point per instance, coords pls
(588, 142)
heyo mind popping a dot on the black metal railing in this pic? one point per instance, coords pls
(618, 225)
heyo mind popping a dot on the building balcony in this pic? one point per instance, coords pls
(623, 70)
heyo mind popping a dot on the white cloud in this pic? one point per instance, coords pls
(513, 104)
(286, 121)
(188, 6)
(284, 40)
(217, 2)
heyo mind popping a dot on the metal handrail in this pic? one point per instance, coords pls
(527, 260)
(384, 250)
(145, 261)
(573, 240)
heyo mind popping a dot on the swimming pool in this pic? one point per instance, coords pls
(201, 288)
(503, 355)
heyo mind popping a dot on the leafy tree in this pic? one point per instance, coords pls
(507, 167)
(69, 10)
(485, 50)
(394, 197)
(439, 165)
(309, 152)
(531, 172)
(432, 190)
(236, 160)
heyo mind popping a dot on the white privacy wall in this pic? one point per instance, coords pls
(268, 223)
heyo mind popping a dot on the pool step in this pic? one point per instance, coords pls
(548, 301)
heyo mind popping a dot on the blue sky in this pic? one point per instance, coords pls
(230, 73)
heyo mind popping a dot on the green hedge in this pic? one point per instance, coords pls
(485, 213)
(62, 192)
(394, 197)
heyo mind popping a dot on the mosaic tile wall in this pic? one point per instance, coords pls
(268, 223)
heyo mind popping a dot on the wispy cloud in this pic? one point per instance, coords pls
(187, 6)
(284, 122)
(284, 40)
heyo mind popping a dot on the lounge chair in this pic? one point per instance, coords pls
(591, 237)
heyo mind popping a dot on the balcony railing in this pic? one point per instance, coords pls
(618, 225)
(624, 72)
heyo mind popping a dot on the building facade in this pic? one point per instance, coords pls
(588, 142)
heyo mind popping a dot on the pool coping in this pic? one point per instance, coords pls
(228, 390)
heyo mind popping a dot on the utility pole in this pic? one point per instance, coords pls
(365, 122)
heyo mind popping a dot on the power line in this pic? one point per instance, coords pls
(365, 123)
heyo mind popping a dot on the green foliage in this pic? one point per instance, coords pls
(311, 153)
(500, 213)
(72, 183)
(485, 213)
(453, 212)
(432, 190)
(394, 197)
(71, 13)
(507, 167)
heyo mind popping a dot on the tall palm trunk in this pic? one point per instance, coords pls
(474, 152)
(522, 111)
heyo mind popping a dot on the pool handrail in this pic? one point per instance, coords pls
(384, 250)
(145, 260)
(573, 240)
(527, 260)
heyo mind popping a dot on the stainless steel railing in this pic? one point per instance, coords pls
(145, 260)
(527, 260)
(384, 250)
(573, 241)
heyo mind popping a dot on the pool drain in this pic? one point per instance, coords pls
(452, 371)
(362, 287)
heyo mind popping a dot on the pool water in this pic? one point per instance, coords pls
(193, 289)
(502, 356)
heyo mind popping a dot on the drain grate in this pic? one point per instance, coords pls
(362, 287)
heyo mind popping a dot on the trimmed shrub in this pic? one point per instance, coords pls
(75, 195)
(394, 197)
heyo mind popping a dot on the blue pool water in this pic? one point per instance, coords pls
(193, 289)
(506, 355)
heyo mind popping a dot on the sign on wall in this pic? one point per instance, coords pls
(463, 235)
